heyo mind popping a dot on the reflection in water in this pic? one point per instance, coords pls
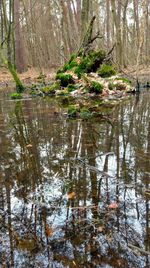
(59, 181)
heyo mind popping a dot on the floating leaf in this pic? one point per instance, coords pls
(29, 146)
(113, 206)
(74, 263)
(28, 244)
(109, 238)
(48, 230)
(71, 195)
(100, 229)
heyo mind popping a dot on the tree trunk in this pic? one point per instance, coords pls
(19, 46)
(136, 19)
(19, 85)
(108, 23)
(84, 17)
(116, 12)
(124, 38)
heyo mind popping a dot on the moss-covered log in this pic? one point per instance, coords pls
(19, 86)
(10, 67)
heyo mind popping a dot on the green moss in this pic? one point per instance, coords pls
(50, 90)
(123, 79)
(71, 87)
(72, 111)
(111, 86)
(90, 63)
(82, 67)
(59, 71)
(73, 57)
(85, 113)
(16, 96)
(65, 79)
(33, 93)
(96, 59)
(63, 92)
(69, 65)
(106, 70)
(19, 86)
(96, 87)
(41, 78)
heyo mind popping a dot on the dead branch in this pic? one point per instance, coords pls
(88, 39)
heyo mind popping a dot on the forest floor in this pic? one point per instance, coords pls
(29, 77)
(32, 75)
(144, 73)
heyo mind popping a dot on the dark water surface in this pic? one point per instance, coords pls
(74, 193)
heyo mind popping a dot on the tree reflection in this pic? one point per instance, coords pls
(45, 157)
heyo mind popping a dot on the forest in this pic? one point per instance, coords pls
(74, 133)
(44, 34)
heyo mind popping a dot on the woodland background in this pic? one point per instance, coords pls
(44, 33)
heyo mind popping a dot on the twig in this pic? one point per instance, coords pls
(139, 249)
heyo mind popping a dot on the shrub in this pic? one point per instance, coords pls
(65, 79)
(16, 96)
(96, 87)
(106, 70)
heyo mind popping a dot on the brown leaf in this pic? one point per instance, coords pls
(74, 263)
(113, 206)
(48, 230)
(29, 244)
(100, 229)
(72, 195)
(109, 238)
(29, 145)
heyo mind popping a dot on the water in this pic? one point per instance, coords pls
(74, 193)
